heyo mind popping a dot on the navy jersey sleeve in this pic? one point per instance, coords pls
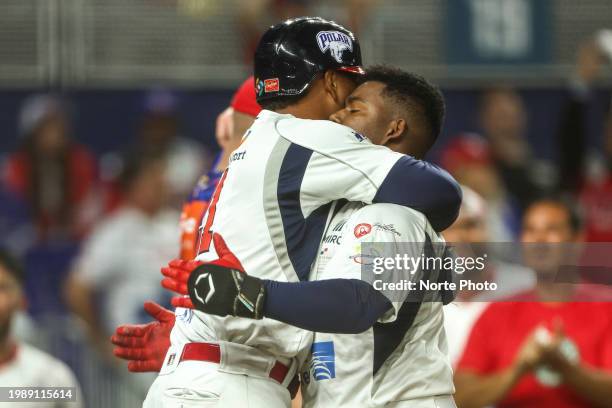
(424, 187)
(336, 163)
(330, 306)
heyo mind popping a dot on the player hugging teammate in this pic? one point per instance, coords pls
(335, 152)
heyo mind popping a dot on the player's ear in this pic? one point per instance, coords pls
(330, 83)
(395, 131)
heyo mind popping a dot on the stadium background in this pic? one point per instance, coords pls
(105, 56)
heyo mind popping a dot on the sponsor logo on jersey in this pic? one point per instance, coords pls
(237, 156)
(336, 42)
(184, 314)
(367, 258)
(333, 238)
(362, 229)
(359, 136)
(323, 362)
(387, 227)
(271, 85)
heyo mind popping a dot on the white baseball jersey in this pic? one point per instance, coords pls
(34, 368)
(404, 356)
(271, 207)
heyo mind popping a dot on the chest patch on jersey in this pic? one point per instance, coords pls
(362, 229)
(323, 363)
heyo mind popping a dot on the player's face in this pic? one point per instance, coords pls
(10, 300)
(365, 112)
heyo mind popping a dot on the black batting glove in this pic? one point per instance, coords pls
(223, 291)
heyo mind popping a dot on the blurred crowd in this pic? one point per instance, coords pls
(92, 233)
(258, 14)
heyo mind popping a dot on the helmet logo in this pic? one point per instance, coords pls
(336, 42)
(271, 85)
(259, 87)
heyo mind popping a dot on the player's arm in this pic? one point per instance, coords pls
(223, 288)
(339, 163)
(341, 302)
(327, 306)
(339, 305)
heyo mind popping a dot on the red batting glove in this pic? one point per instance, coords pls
(176, 276)
(144, 346)
(177, 272)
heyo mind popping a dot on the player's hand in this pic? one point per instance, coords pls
(223, 288)
(177, 273)
(144, 346)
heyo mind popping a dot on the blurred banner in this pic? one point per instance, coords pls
(499, 32)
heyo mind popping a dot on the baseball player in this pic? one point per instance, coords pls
(271, 205)
(389, 337)
(393, 353)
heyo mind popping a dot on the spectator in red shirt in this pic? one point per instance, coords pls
(54, 175)
(550, 352)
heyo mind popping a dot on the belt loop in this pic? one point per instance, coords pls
(293, 368)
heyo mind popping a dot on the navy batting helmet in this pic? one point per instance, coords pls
(292, 53)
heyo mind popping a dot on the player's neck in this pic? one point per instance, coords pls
(309, 107)
(301, 112)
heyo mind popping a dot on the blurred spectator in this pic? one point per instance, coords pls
(596, 196)
(503, 119)
(469, 236)
(22, 365)
(159, 133)
(550, 349)
(120, 262)
(592, 179)
(54, 175)
(470, 227)
(468, 158)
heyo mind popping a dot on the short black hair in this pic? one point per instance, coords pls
(12, 265)
(409, 89)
